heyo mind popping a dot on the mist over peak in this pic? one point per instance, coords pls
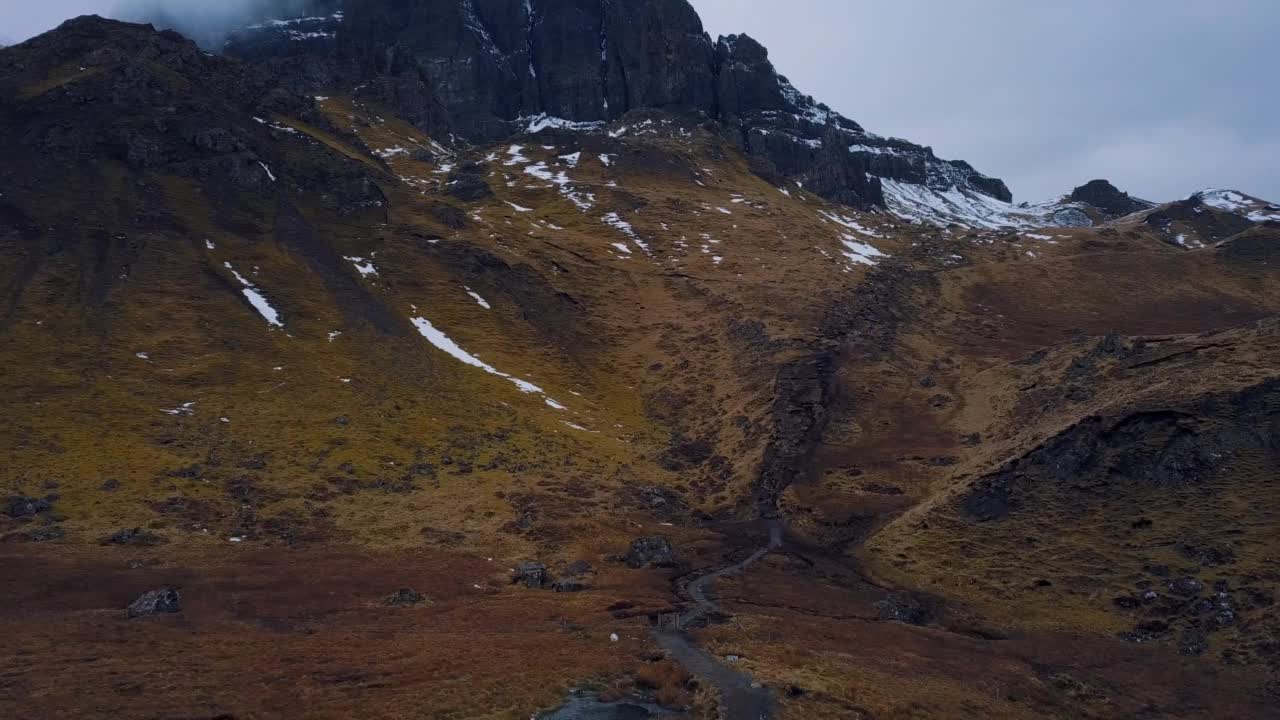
(209, 24)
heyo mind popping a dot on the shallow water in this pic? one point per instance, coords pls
(590, 707)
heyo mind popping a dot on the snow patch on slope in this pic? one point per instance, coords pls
(257, 299)
(479, 300)
(363, 266)
(538, 123)
(860, 252)
(615, 221)
(449, 347)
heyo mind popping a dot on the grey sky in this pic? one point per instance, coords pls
(20, 19)
(1163, 97)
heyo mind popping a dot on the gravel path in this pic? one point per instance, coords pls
(740, 697)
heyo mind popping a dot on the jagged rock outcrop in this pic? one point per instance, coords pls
(654, 551)
(1106, 197)
(475, 68)
(532, 575)
(155, 602)
(1158, 448)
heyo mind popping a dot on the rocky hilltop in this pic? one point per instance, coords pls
(1107, 198)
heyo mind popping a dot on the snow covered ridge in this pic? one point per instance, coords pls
(813, 127)
(968, 208)
(1234, 201)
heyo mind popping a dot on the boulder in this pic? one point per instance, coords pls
(1187, 586)
(21, 506)
(156, 602)
(133, 536)
(903, 609)
(646, 551)
(1208, 555)
(532, 575)
(1192, 642)
(1148, 631)
(405, 597)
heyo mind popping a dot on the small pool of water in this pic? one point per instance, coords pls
(588, 706)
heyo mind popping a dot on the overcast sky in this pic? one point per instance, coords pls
(1163, 97)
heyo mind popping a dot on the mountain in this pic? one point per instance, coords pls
(494, 65)
(377, 368)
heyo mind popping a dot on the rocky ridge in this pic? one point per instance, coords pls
(493, 66)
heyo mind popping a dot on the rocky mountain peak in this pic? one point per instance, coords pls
(479, 69)
(1106, 197)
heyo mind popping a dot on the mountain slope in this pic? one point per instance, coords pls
(276, 338)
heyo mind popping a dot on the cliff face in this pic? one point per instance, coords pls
(474, 68)
(492, 61)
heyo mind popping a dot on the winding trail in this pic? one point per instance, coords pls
(741, 698)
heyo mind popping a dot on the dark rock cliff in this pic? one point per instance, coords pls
(474, 68)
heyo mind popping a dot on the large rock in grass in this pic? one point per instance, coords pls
(156, 602)
(532, 575)
(650, 551)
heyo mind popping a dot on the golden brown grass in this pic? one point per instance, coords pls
(668, 680)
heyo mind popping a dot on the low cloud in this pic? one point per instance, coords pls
(208, 23)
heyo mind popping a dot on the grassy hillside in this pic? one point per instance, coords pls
(314, 356)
